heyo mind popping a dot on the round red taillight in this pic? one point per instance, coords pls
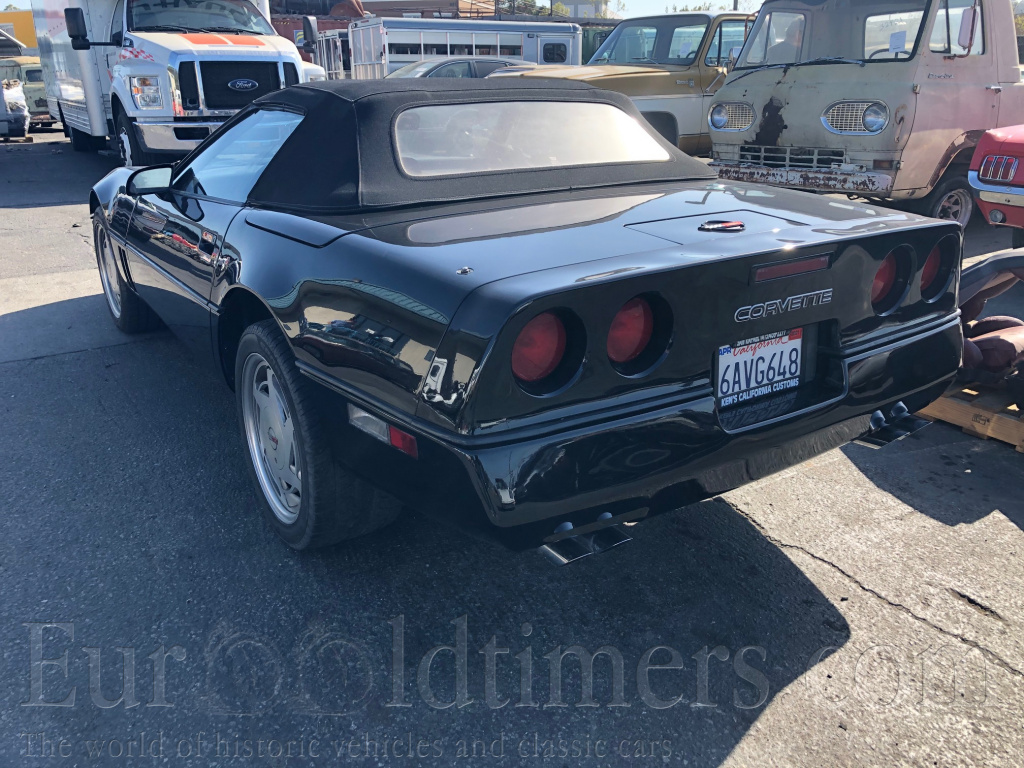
(539, 348)
(885, 279)
(631, 331)
(931, 268)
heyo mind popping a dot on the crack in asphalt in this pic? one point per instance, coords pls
(140, 340)
(998, 660)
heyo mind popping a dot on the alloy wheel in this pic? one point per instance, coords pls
(270, 434)
(956, 206)
(108, 271)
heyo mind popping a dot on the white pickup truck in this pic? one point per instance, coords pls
(156, 78)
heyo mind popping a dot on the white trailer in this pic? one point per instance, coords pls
(380, 46)
(157, 77)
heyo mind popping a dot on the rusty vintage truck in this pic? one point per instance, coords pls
(881, 99)
(670, 66)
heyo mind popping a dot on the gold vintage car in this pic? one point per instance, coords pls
(670, 66)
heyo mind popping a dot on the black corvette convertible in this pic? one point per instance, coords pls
(517, 306)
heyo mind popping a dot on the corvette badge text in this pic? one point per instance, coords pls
(781, 306)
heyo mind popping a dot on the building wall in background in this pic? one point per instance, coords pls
(21, 21)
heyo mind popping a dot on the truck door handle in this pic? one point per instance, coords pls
(996, 88)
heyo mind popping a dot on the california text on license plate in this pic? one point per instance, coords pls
(760, 366)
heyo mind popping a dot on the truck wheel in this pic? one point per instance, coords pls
(128, 144)
(82, 141)
(306, 496)
(951, 200)
(130, 313)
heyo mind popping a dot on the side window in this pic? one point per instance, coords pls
(484, 68)
(117, 23)
(456, 69)
(685, 42)
(555, 53)
(727, 39)
(229, 167)
(946, 32)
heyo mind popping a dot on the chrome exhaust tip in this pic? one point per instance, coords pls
(901, 422)
(573, 548)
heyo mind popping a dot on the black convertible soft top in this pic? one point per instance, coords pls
(342, 157)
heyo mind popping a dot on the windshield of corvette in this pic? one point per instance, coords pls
(671, 40)
(448, 139)
(222, 16)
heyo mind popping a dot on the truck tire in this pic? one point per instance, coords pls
(952, 200)
(127, 140)
(306, 496)
(82, 141)
(1017, 238)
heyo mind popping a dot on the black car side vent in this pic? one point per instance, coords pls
(716, 225)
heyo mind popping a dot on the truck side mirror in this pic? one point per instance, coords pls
(310, 33)
(968, 22)
(74, 20)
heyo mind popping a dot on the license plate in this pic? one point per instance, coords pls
(758, 367)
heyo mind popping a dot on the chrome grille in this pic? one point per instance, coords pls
(847, 116)
(792, 157)
(740, 117)
(998, 168)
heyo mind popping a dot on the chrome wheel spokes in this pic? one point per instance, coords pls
(108, 271)
(956, 206)
(270, 432)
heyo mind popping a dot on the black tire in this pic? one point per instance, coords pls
(937, 203)
(334, 505)
(129, 312)
(82, 141)
(127, 142)
(1017, 239)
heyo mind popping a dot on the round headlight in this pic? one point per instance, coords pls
(719, 116)
(875, 117)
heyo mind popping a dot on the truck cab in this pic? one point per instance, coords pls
(881, 99)
(670, 66)
(158, 78)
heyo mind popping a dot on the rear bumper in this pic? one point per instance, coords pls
(620, 468)
(1002, 197)
(630, 468)
(859, 182)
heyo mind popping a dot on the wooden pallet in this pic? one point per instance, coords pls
(980, 411)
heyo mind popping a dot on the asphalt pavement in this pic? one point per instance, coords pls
(862, 609)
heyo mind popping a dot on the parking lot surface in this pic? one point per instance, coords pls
(864, 608)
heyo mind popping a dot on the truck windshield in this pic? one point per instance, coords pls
(669, 40)
(793, 32)
(231, 16)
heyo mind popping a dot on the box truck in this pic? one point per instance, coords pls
(153, 78)
(379, 46)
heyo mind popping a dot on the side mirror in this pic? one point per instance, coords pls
(150, 181)
(968, 22)
(734, 56)
(74, 20)
(310, 33)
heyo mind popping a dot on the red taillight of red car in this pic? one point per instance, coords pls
(631, 331)
(931, 269)
(539, 348)
(885, 280)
